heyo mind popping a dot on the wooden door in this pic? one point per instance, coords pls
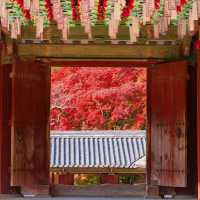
(30, 129)
(167, 124)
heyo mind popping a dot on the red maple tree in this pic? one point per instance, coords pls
(104, 98)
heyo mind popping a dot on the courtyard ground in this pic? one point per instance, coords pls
(90, 198)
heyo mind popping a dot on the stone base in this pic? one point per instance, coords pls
(35, 191)
(152, 191)
(167, 192)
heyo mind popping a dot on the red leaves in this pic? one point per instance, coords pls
(98, 98)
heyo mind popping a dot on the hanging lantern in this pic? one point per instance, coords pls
(66, 13)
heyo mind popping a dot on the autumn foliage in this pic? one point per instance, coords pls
(85, 98)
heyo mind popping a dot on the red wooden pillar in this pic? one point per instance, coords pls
(51, 178)
(5, 130)
(198, 121)
(109, 179)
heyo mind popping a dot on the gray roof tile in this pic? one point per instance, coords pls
(97, 149)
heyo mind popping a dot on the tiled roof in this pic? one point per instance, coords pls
(97, 149)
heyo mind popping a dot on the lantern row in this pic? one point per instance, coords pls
(68, 13)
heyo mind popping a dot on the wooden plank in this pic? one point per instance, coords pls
(5, 129)
(100, 191)
(168, 124)
(30, 131)
(99, 32)
(99, 51)
(54, 63)
(65, 179)
(152, 190)
(90, 170)
(192, 130)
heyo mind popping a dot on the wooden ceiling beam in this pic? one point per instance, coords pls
(82, 170)
(98, 51)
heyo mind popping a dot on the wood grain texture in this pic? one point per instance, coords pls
(168, 124)
(5, 129)
(98, 51)
(198, 121)
(30, 119)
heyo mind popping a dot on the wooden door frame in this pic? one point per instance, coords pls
(198, 122)
(144, 63)
(5, 128)
(121, 63)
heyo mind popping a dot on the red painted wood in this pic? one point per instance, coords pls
(198, 121)
(66, 179)
(30, 130)
(51, 178)
(5, 129)
(109, 179)
(168, 87)
(101, 63)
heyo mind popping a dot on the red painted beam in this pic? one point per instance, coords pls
(66, 179)
(109, 179)
(100, 63)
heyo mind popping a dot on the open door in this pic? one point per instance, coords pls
(167, 90)
(30, 125)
